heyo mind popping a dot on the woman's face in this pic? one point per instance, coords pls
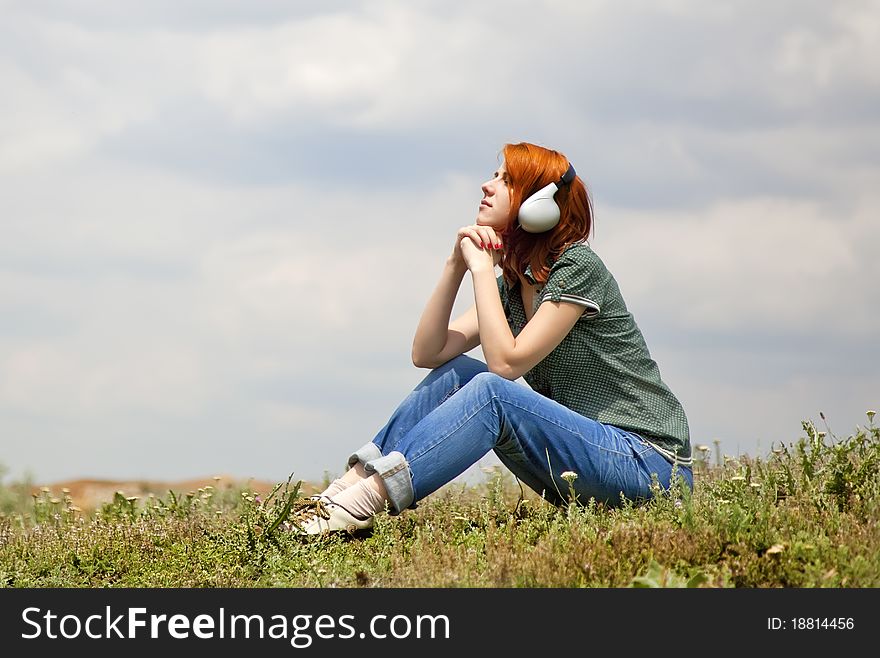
(495, 205)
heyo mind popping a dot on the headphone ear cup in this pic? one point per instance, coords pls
(539, 212)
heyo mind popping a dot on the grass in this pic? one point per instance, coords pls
(806, 515)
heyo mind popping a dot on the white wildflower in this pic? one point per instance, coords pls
(569, 476)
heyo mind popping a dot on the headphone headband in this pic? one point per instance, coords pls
(568, 176)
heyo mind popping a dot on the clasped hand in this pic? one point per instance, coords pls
(477, 247)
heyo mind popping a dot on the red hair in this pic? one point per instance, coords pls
(529, 168)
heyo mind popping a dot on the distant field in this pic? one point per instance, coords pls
(88, 494)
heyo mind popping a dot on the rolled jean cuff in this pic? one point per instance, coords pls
(367, 452)
(394, 471)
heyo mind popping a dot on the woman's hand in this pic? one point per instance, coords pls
(477, 246)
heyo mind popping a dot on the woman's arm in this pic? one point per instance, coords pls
(505, 355)
(437, 340)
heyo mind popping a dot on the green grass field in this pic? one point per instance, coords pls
(806, 515)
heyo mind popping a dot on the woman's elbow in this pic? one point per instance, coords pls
(421, 361)
(505, 370)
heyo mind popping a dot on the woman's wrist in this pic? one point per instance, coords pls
(456, 265)
(480, 268)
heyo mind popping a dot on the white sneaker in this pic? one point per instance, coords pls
(319, 515)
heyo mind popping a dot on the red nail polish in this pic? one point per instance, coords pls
(498, 246)
(482, 245)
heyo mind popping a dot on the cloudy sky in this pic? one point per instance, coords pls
(219, 220)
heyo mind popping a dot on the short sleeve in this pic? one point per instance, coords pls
(579, 277)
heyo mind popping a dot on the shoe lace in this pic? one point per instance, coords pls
(309, 507)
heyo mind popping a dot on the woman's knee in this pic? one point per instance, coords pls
(489, 380)
(462, 368)
(467, 367)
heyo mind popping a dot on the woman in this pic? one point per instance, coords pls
(595, 406)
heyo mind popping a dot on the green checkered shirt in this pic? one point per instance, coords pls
(602, 369)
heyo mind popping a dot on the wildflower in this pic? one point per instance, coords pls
(569, 476)
(737, 478)
(870, 413)
(703, 448)
(775, 549)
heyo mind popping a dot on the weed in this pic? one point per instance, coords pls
(802, 516)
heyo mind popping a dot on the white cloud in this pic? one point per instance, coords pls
(148, 300)
(835, 52)
(250, 291)
(772, 265)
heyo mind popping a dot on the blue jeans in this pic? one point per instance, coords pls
(460, 412)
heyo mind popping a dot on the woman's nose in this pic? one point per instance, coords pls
(487, 188)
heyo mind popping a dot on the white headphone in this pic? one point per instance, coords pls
(540, 212)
